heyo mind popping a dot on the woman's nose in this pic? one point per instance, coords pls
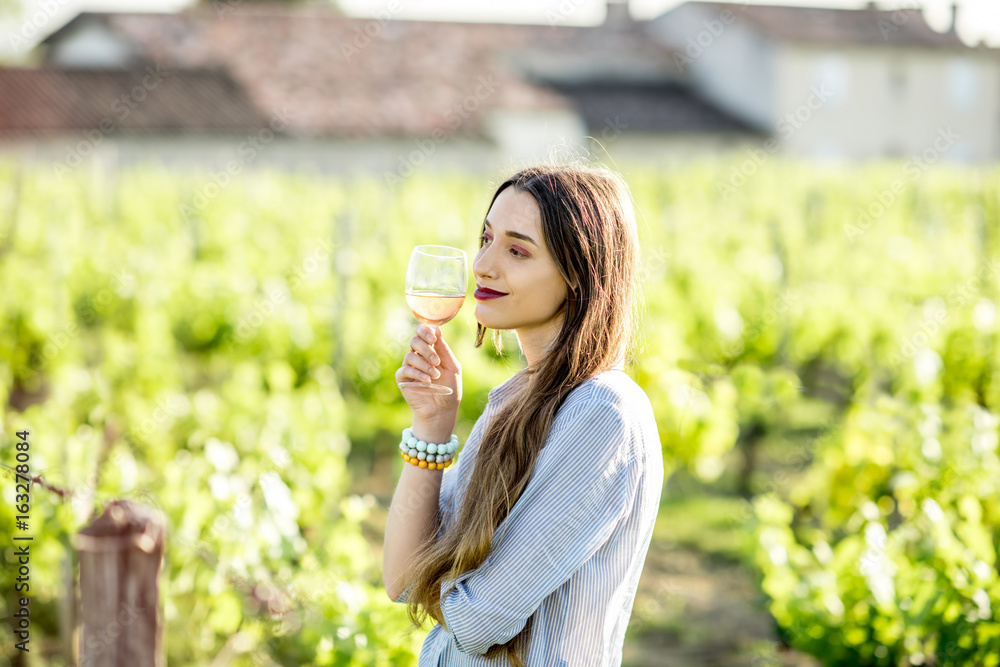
(483, 264)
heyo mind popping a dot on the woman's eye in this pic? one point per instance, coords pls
(483, 239)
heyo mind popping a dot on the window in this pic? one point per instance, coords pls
(963, 83)
(832, 75)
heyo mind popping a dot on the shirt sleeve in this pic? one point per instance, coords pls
(568, 510)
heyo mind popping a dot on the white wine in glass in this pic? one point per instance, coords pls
(436, 282)
(434, 308)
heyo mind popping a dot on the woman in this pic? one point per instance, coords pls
(529, 552)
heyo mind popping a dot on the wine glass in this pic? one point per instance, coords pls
(436, 282)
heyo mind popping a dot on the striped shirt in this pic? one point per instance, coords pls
(575, 540)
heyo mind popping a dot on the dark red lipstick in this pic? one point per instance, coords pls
(484, 293)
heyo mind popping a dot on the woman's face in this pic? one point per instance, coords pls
(513, 259)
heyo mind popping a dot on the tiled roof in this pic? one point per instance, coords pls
(820, 25)
(384, 77)
(348, 76)
(46, 101)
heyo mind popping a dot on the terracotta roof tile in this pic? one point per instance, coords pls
(409, 78)
(48, 100)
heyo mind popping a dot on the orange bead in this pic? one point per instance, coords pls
(423, 464)
(432, 466)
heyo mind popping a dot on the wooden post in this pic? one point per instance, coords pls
(121, 553)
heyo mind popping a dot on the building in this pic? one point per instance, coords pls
(305, 87)
(840, 83)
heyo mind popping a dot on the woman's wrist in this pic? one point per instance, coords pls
(433, 430)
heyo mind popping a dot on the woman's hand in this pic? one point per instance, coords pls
(431, 359)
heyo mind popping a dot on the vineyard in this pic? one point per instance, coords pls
(823, 357)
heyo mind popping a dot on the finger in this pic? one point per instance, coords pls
(427, 332)
(448, 357)
(422, 347)
(416, 361)
(411, 374)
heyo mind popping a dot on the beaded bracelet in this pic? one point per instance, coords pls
(427, 455)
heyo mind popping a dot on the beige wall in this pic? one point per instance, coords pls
(938, 103)
(390, 159)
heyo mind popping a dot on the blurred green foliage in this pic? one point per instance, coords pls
(219, 351)
(885, 553)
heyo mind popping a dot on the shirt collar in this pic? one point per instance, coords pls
(510, 385)
(505, 388)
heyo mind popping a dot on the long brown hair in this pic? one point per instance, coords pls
(588, 222)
